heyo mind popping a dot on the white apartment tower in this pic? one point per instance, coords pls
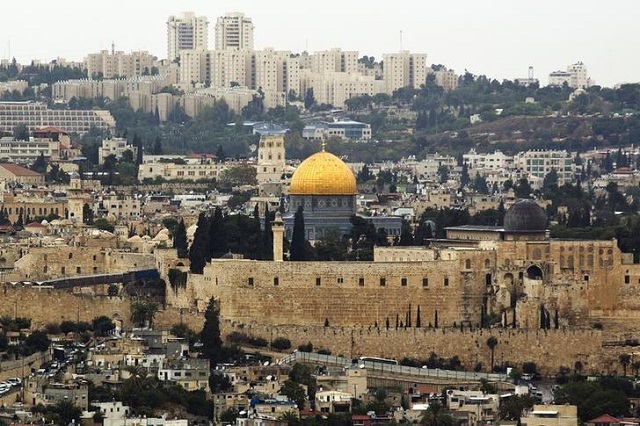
(234, 31)
(404, 69)
(186, 32)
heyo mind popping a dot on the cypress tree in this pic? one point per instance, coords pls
(217, 235)
(267, 235)
(298, 240)
(198, 250)
(210, 334)
(180, 240)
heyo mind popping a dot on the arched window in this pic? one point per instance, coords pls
(534, 272)
(487, 264)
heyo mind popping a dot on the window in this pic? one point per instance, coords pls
(276, 281)
(250, 281)
(340, 280)
(63, 270)
(78, 269)
(70, 255)
(403, 282)
(361, 281)
(318, 281)
(627, 279)
(383, 281)
(446, 281)
(425, 282)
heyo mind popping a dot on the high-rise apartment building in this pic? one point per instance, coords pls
(404, 69)
(230, 67)
(234, 31)
(186, 31)
(334, 60)
(118, 64)
(276, 73)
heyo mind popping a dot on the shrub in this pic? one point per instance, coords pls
(306, 348)
(281, 343)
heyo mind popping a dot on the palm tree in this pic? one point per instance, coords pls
(624, 359)
(290, 417)
(436, 415)
(635, 366)
(492, 342)
(136, 375)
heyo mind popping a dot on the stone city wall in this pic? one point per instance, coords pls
(549, 349)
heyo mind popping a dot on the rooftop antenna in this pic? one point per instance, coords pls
(113, 48)
(400, 40)
(530, 73)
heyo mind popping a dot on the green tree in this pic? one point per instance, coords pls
(436, 415)
(143, 313)
(298, 250)
(210, 335)
(21, 132)
(294, 392)
(198, 249)
(492, 342)
(40, 165)
(68, 412)
(624, 359)
(102, 326)
(513, 407)
(180, 240)
(523, 189)
(37, 342)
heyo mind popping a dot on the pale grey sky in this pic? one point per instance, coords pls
(498, 38)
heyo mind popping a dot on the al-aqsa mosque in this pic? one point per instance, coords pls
(325, 187)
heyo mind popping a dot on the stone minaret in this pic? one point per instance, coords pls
(277, 226)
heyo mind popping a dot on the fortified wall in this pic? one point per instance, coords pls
(549, 349)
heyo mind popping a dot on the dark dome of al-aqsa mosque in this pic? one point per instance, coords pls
(525, 216)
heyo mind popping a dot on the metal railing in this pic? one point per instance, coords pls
(381, 367)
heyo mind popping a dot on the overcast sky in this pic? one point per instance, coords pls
(498, 38)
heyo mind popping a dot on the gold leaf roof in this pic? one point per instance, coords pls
(323, 174)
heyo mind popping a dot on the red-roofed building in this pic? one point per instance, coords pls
(10, 172)
(603, 420)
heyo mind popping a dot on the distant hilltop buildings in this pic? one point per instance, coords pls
(575, 77)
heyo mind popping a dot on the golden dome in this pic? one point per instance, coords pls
(323, 174)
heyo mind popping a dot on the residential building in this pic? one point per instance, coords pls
(186, 32)
(193, 168)
(404, 69)
(447, 79)
(13, 173)
(112, 410)
(36, 114)
(346, 129)
(334, 60)
(334, 88)
(234, 31)
(332, 401)
(552, 415)
(229, 66)
(538, 163)
(191, 374)
(118, 64)
(26, 152)
(194, 67)
(275, 73)
(575, 76)
(116, 147)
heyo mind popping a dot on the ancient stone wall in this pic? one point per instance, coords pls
(549, 349)
(47, 305)
(53, 262)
